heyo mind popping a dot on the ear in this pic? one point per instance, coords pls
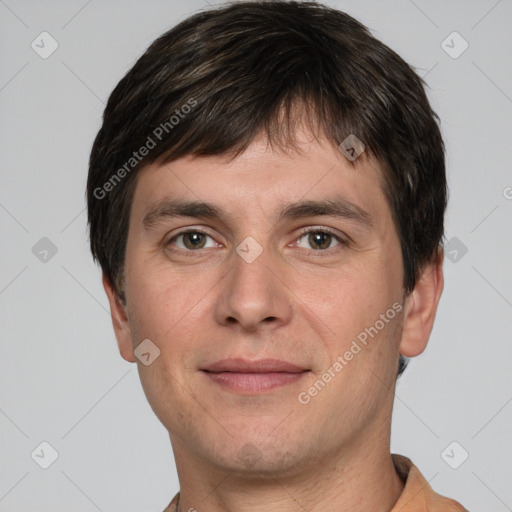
(119, 321)
(421, 306)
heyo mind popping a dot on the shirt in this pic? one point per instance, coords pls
(417, 495)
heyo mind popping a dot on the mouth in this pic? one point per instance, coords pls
(251, 377)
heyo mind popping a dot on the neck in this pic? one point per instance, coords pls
(359, 481)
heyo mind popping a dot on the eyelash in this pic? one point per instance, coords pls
(186, 232)
(325, 252)
(318, 252)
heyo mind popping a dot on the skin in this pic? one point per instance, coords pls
(333, 453)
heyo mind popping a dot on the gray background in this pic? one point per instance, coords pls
(62, 379)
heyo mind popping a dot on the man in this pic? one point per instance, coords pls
(266, 199)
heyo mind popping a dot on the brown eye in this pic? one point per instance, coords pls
(319, 240)
(192, 240)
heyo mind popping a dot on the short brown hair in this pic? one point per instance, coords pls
(247, 68)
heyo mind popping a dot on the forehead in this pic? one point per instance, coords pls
(264, 178)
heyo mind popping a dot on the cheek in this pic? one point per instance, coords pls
(351, 301)
(348, 298)
(161, 299)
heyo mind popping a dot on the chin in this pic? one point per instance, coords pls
(259, 458)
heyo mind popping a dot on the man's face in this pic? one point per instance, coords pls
(211, 295)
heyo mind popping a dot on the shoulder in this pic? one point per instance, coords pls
(173, 506)
(418, 495)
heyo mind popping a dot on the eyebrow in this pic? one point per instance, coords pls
(339, 207)
(169, 208)
(328, 207)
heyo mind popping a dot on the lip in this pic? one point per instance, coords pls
(241, 365)
(253, 377)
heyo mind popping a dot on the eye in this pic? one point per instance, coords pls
(319, 240)
(192, 240)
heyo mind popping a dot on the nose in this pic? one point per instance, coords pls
(253, 294)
